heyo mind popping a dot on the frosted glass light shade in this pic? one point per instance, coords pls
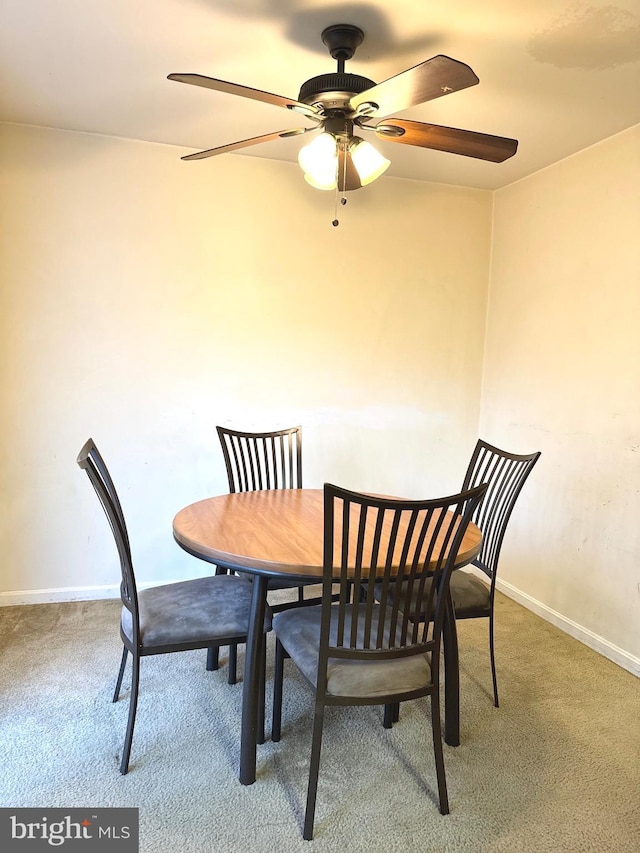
(319, 162)
(369, 163)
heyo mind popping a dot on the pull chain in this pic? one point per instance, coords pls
(343, 200)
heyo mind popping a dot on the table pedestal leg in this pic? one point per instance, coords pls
(451, 677)
(251, 684)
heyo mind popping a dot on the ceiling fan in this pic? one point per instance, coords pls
(341, 103)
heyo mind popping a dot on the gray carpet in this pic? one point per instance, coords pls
(555, 768)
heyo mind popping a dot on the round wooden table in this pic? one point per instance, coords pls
(279, 533)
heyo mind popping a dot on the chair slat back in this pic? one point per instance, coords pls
(369, 539)
(262, 460)
(92, 462)
(505, 474)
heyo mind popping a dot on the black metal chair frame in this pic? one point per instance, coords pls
(364, 543)
(262, 460)
(505, 473)
(258, 461)
(92, 462)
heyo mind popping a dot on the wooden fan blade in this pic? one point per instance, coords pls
(431, 79)
(245, 143)
(451, 139)
(348, 177)
(243, 91)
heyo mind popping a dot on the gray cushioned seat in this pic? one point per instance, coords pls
(193, 610)
(468, 592)
(299, 632)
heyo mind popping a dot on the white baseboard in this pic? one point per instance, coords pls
(584, 635)
(67, 593)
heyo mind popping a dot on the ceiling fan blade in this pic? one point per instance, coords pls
(243, 91)
(469, 143)
(245, 143)
(431, 79)
(348, 177)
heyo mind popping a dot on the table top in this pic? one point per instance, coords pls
(277, 532)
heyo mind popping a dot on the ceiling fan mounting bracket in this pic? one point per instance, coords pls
(342, 40)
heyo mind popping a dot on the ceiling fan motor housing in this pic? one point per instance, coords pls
(333, 91)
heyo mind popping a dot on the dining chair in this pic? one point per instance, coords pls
(369, 652)
(473, 597)
(266, 460)
(193, 614)
(262, 460)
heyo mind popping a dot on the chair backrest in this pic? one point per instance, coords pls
(505, 474)
(371, 542)
(262, 460)
(92, 462)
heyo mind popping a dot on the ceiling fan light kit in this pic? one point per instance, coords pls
(340, 103)
(320, 159)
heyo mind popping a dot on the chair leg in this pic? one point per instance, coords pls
(213, 658)
(300, 594)
(233, 664)
(438, 753)
(278, 676)
(451, 676)
(314, 769)
(493, 661)
(261, 693)
(133, 704)
(391, 715)
(123, 663)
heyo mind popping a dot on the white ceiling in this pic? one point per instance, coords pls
(556, 75)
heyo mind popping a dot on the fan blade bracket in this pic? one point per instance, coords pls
(296, 131)
(316, 113)
(366, 109)
(389, 130)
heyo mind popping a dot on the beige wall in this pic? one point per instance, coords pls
(562, 375)
(145, 300)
